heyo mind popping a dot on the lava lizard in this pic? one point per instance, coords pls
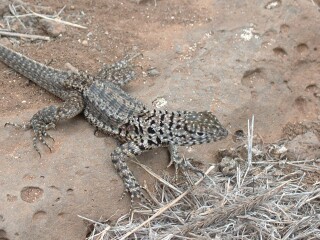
(110, 109)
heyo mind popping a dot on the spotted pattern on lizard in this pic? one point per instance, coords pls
(112, 110)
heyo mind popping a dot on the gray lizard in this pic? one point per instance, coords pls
(112, 110)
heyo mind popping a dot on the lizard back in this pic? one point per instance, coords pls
(110, 104)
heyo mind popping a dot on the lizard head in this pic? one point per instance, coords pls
(201, 127)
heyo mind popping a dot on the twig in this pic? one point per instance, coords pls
(61, 10)
(103, 233)
(166, 207)
(250, 141)
(314, 3)
(292, 162)
(22, 35)
(58, 20)
(14, 13)
(292, 228)
(90, 220)
(148, 170)
(19, 16)
(145, 186)
(32, 13)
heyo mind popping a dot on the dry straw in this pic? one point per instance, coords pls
(271, 198)
(23, 11)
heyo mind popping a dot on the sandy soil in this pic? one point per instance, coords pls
(235, 58)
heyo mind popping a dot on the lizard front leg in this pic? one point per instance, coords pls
(118, 157)
(47, 118)
(181, 162)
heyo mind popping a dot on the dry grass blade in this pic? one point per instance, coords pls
(148, 170)
(14, 13)
(58, 20)
(275, 198)
(25, 17)
(21, 35)
(166, 207)
(220, 215)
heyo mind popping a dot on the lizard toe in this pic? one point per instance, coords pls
(184, 164)
(23, 126)
(40, 135)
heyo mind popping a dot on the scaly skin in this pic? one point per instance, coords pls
(53, 81)
(156, 128)
(110, 109)
(115, 112)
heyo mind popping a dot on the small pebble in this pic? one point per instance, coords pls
(71, 68)
(178, 49)
(159, 102)
(53, 29)
(153, 72)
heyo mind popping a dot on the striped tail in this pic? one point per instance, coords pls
(46, 77)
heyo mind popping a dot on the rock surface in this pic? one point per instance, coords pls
(235, 58)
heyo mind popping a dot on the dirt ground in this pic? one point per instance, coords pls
(235, 58)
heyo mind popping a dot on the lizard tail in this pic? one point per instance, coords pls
(47, 77)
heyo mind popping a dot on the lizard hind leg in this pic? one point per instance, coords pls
(47, 118)
(39, 123)
(119, 73)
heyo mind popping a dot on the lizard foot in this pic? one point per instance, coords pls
(136, 192)
(181, 163)
(40, 135)
(184, 164)
(40, 132)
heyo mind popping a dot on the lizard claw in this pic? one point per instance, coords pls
(40, 134)
(24, 126)
(184, 165)
(181, 163)
(136, 192)
(49, 136)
